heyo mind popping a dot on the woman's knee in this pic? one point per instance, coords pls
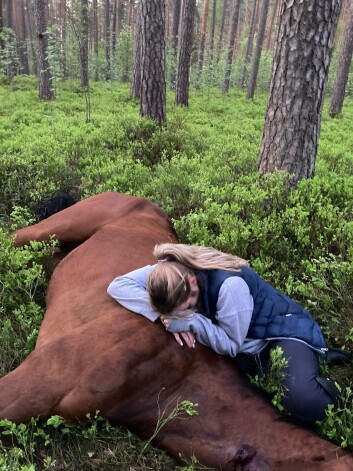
(306, 403)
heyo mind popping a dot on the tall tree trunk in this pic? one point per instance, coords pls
(46, 91)
(84, 43)
(300, 68)
(114, 28)
(202, 42)
(1, 24)
(30, 28)
(129, 14)
(95, 41)
(221, 29)
(62, 22)
(175, 36)
(153, 85)
(272, 25)
(213, 29)
(342, 72)
(249, 45)
(135, 89)
(10, 72)
(108, 63)
(185, 48)
(258, 50)
(232, 35)
(22, 38)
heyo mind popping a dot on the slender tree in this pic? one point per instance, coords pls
(95, 40)
(114, 28)
(213, 28)
(1, 24)
(300, 68)
(258, 50)
(249, 45)
(22, 38)
(175, 36)
(46, 91)
(84, 43)
(221, 29)
(108, 62)
(232, 36)
(135, 89)
(30, 29)
(202, 41)
(153, 85)
(11, 40)
(272, 25)
(185, 48)
(345, 60)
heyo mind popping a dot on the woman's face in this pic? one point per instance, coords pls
(191, 302)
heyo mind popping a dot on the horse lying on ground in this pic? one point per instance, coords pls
(92, 354)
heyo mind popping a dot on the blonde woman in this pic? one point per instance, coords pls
(202, 294)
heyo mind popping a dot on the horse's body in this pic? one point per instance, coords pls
(92, 354)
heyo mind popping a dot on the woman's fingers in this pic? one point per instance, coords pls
(188, 337)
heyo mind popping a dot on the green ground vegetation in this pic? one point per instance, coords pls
(201, 169)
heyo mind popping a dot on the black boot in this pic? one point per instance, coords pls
(337, 356)
(330, 386)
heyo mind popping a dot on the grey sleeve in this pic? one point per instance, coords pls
(234, 309)
(130, 291)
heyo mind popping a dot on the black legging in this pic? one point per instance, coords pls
(304, 397)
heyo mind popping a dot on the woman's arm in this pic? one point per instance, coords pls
(130, 291)
(234, 310)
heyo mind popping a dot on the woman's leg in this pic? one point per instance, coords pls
(306, 396)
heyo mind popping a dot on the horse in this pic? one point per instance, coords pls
(93, 354)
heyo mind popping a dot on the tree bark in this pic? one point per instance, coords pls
(46, 91)
(10, 72)
(232, 36)
(1, 24)
(153, 85)
(22, 43)
(342, 72)
(185, 48)
(84, 43)
(258, 50)
(114, 28)
(213, 29)
(30, 29)
(135, 89)
(221, 29)
(300, 68)
(95, 40)
(202, 42)
(175, 36)
(272, 25)
(249, 45)
(108, 64)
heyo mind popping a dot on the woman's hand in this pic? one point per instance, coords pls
(188, 337)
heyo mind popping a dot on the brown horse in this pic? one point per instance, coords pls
(92, 354)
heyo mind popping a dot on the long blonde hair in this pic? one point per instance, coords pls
(168, 283)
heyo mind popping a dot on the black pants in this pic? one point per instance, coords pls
(304, 397)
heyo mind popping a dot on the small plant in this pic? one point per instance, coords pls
(182, 410)
(337, 424)
(272, 381)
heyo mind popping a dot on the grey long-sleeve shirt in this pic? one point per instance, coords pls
(234, 309)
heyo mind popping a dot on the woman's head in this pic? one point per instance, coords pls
(172, 284)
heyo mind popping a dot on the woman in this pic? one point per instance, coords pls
(201, 293)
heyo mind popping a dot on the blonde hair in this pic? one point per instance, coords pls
(168, 283)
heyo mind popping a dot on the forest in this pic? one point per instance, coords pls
(234, 116)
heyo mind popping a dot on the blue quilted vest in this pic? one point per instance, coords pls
(275, 315)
